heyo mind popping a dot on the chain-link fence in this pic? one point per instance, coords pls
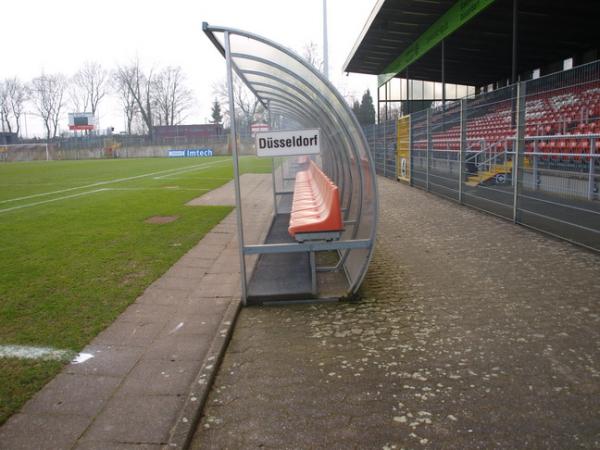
(528, 152)
(382, 140)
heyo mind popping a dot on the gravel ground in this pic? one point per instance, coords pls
(471, 333)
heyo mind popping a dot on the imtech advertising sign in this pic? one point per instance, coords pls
(190, 153)
(288, 143)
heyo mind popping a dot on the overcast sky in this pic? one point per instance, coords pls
(60, 35)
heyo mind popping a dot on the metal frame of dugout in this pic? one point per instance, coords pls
(296, 95)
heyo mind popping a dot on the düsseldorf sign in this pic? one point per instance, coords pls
(288, 143)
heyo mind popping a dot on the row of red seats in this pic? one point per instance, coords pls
(316, 204)
(568, 111)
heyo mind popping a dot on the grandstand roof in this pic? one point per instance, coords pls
(480, 51)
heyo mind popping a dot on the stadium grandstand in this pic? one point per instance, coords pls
(492, 103)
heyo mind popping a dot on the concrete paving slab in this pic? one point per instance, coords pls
(182, 271)
(134, 334)
(104, 445)
(193, 324)
(75, 394)
(42, 432)
(140, 313)
(250, 183)
(135, 419)
(159, 296)
(175, 281)
(108, 360)
(219, 285)
(154, 377)
(177, 348)
(204, 305)
(210, 252)
(194, 262)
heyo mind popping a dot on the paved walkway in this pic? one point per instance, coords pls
(151, 368)
(472, 333)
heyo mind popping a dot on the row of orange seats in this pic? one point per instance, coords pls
(316, 203)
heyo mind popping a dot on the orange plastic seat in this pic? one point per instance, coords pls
(316, 204)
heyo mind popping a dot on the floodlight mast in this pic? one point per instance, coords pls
(325, 44)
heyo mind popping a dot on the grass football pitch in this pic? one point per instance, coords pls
(76, 249)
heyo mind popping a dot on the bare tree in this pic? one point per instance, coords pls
(12, 103)
(310, 53)
(128, 102)
(139, 86)
(78, 98)
(248, 104)
(47, 93)
(88, 87)
(171, 96)
(4, 108)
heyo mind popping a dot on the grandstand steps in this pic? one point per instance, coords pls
(483, 176)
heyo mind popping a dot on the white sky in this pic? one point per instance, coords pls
(60, 35)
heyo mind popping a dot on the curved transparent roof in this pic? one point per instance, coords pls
(290, 87)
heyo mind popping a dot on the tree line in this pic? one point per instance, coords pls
(153, 97)
(364, 111)
(147, 97)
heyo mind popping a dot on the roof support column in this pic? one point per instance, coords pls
(385, 86)
(443, 75)
(515, 35)
(378, 105)
(408, 86)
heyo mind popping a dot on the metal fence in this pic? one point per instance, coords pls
(528, 152)
(382, 141)
(117, 146)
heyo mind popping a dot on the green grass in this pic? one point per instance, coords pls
(73, 258)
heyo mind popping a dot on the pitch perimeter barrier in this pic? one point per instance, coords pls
(102, 147)
(528, 152)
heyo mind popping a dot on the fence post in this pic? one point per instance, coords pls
(535, 185)
(410, 161)
(462, 148)
(429, 148)
(384, 149)
(519, 146)
(591, 175)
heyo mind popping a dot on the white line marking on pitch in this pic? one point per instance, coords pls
(185, 170)
(81, 358)
(117, 180)
(29, 205)
(157, 189)
(47, 353)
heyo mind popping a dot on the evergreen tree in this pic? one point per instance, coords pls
(367, 110)
(356, 110)
(216, 115)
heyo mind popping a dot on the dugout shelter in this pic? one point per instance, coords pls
(322, 232)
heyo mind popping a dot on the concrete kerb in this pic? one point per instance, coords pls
(189, 417)
(187, 421)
